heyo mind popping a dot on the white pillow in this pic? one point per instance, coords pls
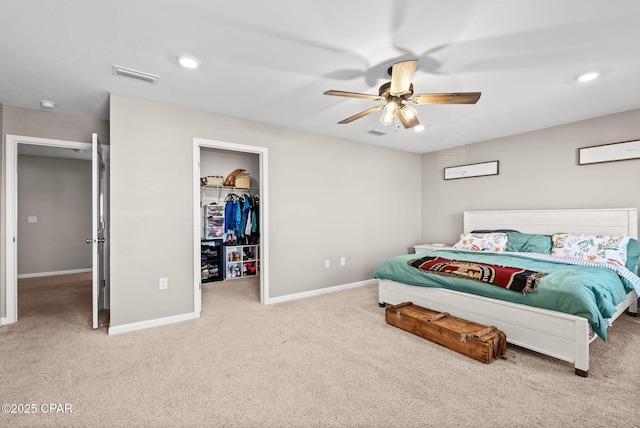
(595, 248)
(495, 242)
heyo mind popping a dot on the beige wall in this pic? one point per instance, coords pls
(58, 192)
(45, 124)
(37, 123)
(538, 170)
(328, 198)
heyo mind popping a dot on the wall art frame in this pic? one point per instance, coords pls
(611, 152)
(472, 170)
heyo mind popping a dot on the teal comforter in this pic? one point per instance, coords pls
(589, 292)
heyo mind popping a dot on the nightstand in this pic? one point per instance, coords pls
(425, 248)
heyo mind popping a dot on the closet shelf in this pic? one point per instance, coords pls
(230, 188)
(207, 194)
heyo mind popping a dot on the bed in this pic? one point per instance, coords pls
(561, 335)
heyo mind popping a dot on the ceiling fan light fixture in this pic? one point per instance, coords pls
(387, 119)
(399, 90)
(408, 112)
(389, 112)
(391, 108)
(408, 116)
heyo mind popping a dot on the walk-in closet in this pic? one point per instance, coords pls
(230, 215)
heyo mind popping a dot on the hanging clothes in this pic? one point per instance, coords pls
(231, 213)
(241, 218)
(228, 210)
(247, 229)
(245, 206)
(254, 215)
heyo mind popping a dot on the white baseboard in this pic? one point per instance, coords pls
(4, 321)
(125, 328)
(59, 272)
(318, 291)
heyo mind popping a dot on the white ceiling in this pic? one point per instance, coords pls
(271, 60)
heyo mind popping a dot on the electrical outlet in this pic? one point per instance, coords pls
(163, 284)
(327, 263)
(343, 261)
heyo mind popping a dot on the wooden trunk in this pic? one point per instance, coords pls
(474, 340)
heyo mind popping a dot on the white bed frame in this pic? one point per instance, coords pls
(558, 335)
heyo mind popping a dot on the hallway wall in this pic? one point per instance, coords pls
(58, 192)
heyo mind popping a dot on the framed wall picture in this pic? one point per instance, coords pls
(472, 170)
(609, 152)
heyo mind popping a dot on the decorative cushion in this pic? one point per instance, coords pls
(495, 242)
(596, 248)
(528, 243)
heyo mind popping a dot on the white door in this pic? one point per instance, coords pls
(97, 239)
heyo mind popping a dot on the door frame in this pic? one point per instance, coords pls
(98, 229)
(11, 218)
(262, 153)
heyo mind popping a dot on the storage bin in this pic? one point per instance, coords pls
(212, 180)
(243, 181)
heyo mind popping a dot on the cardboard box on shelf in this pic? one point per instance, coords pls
(212, 180)
(243, 181)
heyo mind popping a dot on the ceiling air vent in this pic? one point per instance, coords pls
(135, 74)
(376, 132)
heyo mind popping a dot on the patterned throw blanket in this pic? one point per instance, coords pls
(512, 278)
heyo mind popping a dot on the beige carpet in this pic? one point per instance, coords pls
(326, 361)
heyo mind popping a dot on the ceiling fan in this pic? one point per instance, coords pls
(399, 90)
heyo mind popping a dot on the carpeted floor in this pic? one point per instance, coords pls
(325, 361)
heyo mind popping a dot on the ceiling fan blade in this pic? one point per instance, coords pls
(354, 95)
(361, 114)
(401, 74)
(450, 98)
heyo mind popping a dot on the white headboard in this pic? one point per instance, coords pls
(616, 221)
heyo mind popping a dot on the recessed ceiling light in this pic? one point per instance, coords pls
(418, 128)
(48, 104)
(188, 61)
(587, 77)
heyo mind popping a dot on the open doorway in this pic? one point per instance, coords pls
(49, 198)
(53, 211)
(252, 155)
